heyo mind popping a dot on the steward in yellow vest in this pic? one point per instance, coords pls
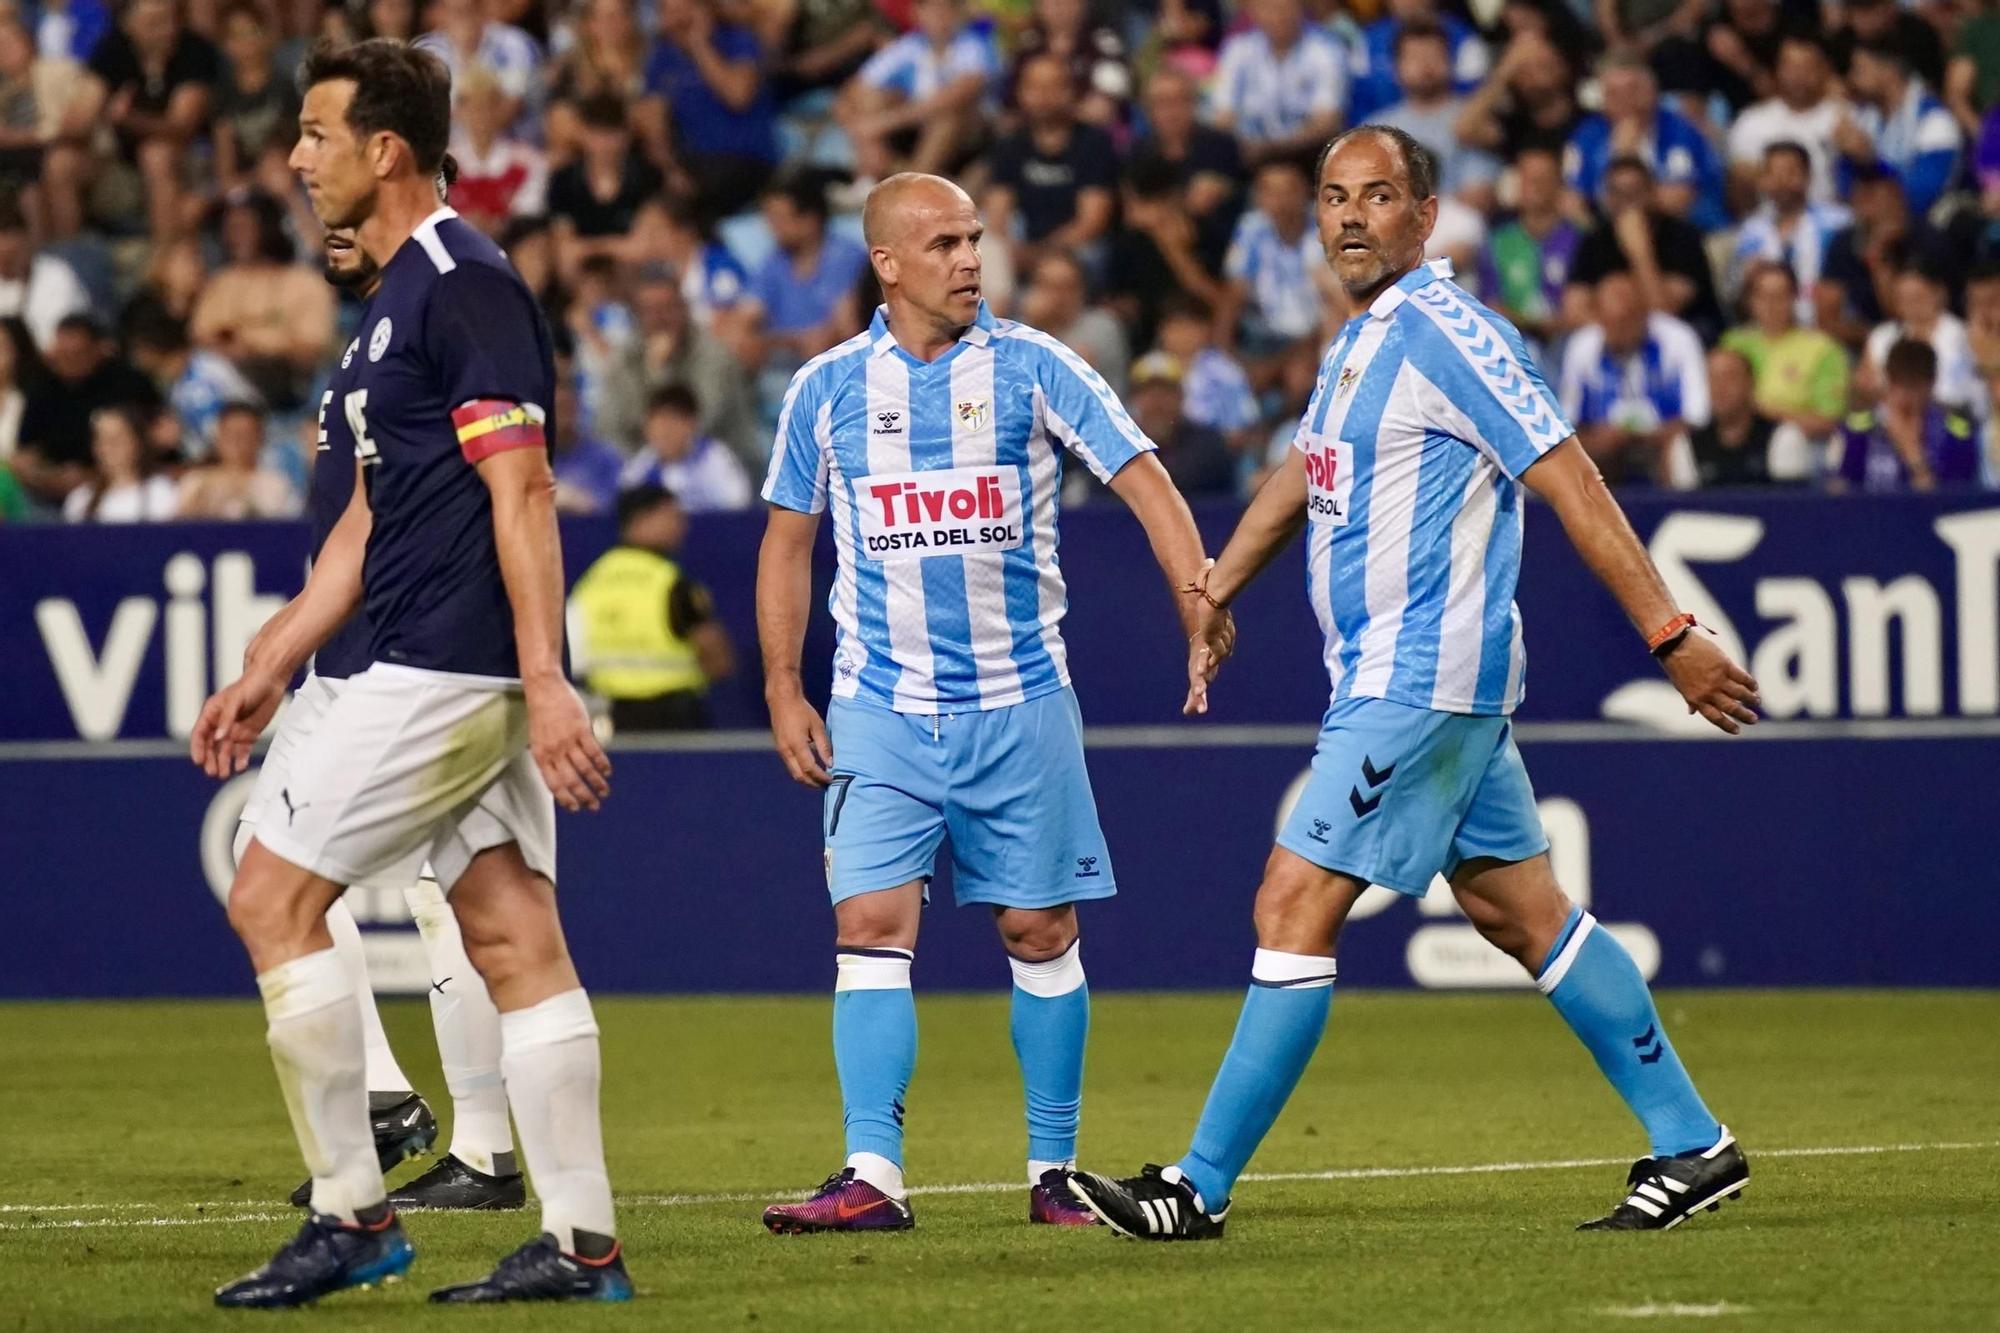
(645, 634)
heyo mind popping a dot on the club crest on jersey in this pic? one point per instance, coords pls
(973, 413)
(347, 357)
(1348, 376)
(378, 341)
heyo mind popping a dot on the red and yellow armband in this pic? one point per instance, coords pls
(1662, 640)
(489, 426)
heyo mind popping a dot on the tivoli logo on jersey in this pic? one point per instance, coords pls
(950, 511)
(1328, 484)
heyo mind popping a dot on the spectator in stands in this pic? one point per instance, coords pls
(1922, 313)
(1898, 124)
(819, 44)
(1093, 53)
(1058, 303)
(1740, 446)
(1888, 22)
(175, 277)
(1857, 281)
(1788, 226)
(672, 349)
(1201, 161)
(1982, 327)
(1805, 109)
(125, 484)
(387, 18)
(1053, 179)
(1529, 102)
(706, 78)
(1665, 253)
(1526, 268)
(594, 199)
(646, 637)
(273, 319)
(608, 57)
(1634, 383)
(1972, 78)
(1196, 456)
(198, 383)
(1157, 251)
(13, 402)
(921, 100)
(236, 484)
(70, 29)
(697, 468)
(83, 374)
(39, 289)
(1801, 372)
(1911, 441)
(465, 33)
(669, 232)
(500, 175)
(1634, 122)
(1379, 78)
(37, 94)
(799, 286)
(256, 107)
(1215, 391)
(153, 82)
(1429, 112)
(586, 468)
(1281, 84)
(1273, 304)
(1734, 55)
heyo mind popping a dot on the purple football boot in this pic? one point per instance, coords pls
(1050, 1203)
(842, 1203)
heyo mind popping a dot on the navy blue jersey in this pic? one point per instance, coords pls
(327, 497)
(455, 364)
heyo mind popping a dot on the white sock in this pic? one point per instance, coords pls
(468, 1038)
(549, 1057)
(1036, 1169)
(315, 1037)
(878, 1171)
(384, 1074)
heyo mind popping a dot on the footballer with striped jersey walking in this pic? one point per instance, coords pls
(1407, 473)
(936, 437)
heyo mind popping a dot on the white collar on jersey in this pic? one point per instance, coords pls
(978, 333)
(1420, 276)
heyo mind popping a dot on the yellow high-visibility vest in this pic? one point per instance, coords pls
(630, 650)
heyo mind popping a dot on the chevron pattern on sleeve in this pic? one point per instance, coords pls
(1490, 357)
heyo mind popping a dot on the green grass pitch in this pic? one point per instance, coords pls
(145, 1153)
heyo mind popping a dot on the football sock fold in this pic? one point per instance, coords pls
(1049, 1022)
(552, 1069)
(468, 1038)
(314, 1030)
(875, 1053)
(1596, 987)
(1283, 1018)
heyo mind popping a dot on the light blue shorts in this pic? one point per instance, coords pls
(1400, 794)
(1008, 784)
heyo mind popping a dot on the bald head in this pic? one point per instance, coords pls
(923, 237)
(903, 202)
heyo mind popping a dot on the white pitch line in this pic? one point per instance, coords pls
(228, 1211)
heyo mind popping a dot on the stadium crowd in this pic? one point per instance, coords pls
(1753, 241)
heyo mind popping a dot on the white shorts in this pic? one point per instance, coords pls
(369, 779)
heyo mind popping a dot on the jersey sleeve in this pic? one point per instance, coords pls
(798, 473)
(1081, 411)
(493, 356)
(1483, 367)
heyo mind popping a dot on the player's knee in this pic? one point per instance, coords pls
(1291, 911)
(1035, 936)
(260, 914)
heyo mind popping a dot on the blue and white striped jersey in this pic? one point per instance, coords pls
(943, 479)
(1427, 410)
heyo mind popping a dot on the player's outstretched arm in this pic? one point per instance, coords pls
(1713, 686)
(523, 488)
(784, 601)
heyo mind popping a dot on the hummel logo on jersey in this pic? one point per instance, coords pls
(1086, 867)
(291, 811)
(888, 423)
(1319, 830)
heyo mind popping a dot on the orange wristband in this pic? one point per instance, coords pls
(1669, 633)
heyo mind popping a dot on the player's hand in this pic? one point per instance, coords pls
(232, 720)
(573, 764)
(802, 741)
(1713, 686)
(1208, 648)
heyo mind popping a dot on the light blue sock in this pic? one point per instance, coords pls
(1596, 987)
(874, 1047)
(1051, 1019)
(1283, 1017)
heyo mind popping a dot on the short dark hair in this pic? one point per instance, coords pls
(1418, 161)
(400, 89)
(803, 190)
(155, 329)
(1792, 147)
(1630, 162)
(240, 405)
(640, 499)
(80, 322)
(1804, 37)
(448, 171)
(1887, 50)
(673, 398)
(1422, 30)
(1911, 363)
(1185, 305)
